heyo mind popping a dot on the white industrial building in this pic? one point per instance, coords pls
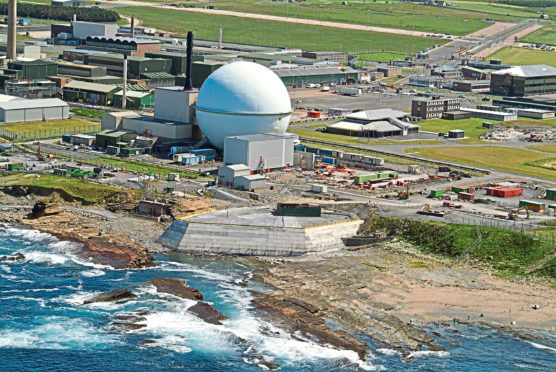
(20, 110)
(250, 182)
(490, 115)
(373, 124)
(81, 30)
(260, 151)
(227, 173)
(173, 116)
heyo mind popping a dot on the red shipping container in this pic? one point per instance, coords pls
(466, 196)
(504, 192)
(313, 114)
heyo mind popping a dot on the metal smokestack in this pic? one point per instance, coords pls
(124, 88)
(11, 53)
(188, 85)
(132, 26)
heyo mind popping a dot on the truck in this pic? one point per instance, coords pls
(348, 91)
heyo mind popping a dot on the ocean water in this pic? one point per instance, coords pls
(43, 324)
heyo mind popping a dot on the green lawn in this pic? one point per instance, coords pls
(506, 159)
(380, 57)
(91, 192)
(338, 138)
(546, 35)
(472, 127)
(139, 167)
(280, 34)
(50, 129)
(95, 114)
(545, 148)
(523, 56)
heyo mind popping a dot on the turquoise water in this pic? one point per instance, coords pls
(43, 324)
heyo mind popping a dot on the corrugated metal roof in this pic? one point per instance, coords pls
(132, 93)
(122, 39)
(528, 71)
(312, 70)
(378, 114)
(31, 103)
(93, 87)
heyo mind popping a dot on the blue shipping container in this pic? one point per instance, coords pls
(329, 160)
(203, 152)
(325, 152)
(66, 138)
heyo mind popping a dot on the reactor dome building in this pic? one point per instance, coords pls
(242, 98)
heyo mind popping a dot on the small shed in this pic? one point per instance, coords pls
(227, 173)
(82, 139)
(531, 205)
(250, 182)
(456, 133)
(151, 208)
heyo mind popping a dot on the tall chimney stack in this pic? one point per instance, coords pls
(124, 87)
(132, 26)
(188, 85)
(11, 53)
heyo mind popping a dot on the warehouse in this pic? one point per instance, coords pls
(33, 110)
(471, 86)
(524, 81)
(134, 99)
(131, 46)
(490, 115)
(541, 103)
(136, 66)
(260, 151)
(80, 70)
(92, 93)
(536, 114)
(300, 76)
(374, 124)
(178, 61)
(340, 57)
(81, 30)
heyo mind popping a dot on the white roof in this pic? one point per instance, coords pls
(379, 114)
(244, 88)
(253, 177)
(528, 71)
(32, 103)
(238, 167)
(7, 98)
(467, 109)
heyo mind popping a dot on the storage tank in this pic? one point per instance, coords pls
(242, 98)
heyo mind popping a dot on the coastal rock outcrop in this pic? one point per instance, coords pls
(12, 258)
(208, 313)
(114, 295)
(175, 287)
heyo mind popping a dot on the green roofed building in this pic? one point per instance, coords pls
(135, 99)
(95, 94)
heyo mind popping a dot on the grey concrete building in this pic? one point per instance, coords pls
(260, 151)
(524, 81)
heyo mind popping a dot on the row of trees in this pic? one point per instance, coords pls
(530, 3)
(62, 13)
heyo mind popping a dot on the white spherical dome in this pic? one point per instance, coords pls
(242, 98)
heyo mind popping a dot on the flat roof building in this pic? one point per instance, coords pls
(524, 81)
(303, 75)
(260, 151)
(21, 110)
(95, 94)
(433, 108)
(373, 124)
(490, 115)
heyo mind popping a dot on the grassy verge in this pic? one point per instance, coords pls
(138, 167)
(529, 122)
(50, 129)
(78, 188)
(494, 157)
(522, 56)
(89, 113)
(472, 127)
(356, 140)
(380, 56)
(546, 35)
(545, 148)
(272, 33)
(510, 253)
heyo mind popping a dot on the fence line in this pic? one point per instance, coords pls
(48, 133)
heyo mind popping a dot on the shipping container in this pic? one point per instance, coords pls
(466, 196)
(328, 160)
(457, 189)
(532, 205)
(14, 166)
(319, 188)
(299, 147)
(551, 194)
(313, 114)
(325, 152)
(504, 192)
(66, 138)
(436, 193)
(192, 159)
(444, 168)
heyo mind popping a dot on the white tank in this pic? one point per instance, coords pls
(242, 98)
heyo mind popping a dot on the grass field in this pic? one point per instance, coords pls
(493, 157)
(95, 114)
(523, 122)
(405, 16)
(546, 35)
(49, 129)
(522, 56)
(472, 127)
(280, 34)
(338, 138)
(91, 192)
(545, 148)
(139, 167)
(380, 56)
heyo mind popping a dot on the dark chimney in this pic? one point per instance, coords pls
(188, 85)
(132, 26)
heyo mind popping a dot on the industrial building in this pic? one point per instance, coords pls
(228, 173)
(80, 70)
(456, 134)
(300, 76)
(81, 30)
(82, 139)
(134, 99)
(260, 151)
(73, 3)
(374, 124)
(471, 86)
(131, 46)
(260, 231)
(433, 108)
(115, 138)
(540, 103)
(475, 73)
(331, 56)
(92, 93)
(424, 81)
(456, 115)
(524, 81)
(20, 110)
(536, 114)
(490, 115)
